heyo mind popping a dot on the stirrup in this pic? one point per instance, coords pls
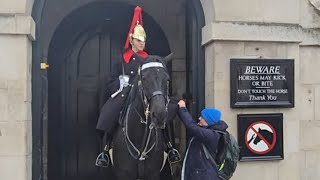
(103, 159)
(173, 156)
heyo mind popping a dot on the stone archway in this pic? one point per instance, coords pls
(315, 3)
(41, 47)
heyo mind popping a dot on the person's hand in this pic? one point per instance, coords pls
(181, 103)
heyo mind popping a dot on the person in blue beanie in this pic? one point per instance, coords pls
(196, 166)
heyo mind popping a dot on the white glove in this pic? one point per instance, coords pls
(124, 82)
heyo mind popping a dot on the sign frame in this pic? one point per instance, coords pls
(279, 93)
(246, 123)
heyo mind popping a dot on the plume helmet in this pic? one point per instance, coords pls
(136, 29)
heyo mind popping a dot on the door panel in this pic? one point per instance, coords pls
(83, 79)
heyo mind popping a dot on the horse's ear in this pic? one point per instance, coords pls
(168, 58)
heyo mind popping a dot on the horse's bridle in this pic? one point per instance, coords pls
(146, 99)
(142, 155)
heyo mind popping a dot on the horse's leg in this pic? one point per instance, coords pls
(124, 165)
(123, 175)
(154, 164)
(153, 176)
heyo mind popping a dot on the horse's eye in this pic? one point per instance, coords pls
(143, 77)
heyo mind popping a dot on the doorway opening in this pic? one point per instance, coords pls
(80, 55)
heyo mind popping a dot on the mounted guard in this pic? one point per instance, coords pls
(123, 73)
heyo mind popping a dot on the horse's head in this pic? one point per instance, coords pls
(154, 80)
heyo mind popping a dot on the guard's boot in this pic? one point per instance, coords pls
(173, 154)
(103, 159)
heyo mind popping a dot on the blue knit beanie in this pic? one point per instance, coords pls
(211, 115)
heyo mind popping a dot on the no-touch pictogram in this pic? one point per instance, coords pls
(260, 137)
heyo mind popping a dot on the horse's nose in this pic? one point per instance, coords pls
(159, 111)
(158, 119)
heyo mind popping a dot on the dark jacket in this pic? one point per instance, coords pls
(195, 165)
(118, 66)
(111, 109)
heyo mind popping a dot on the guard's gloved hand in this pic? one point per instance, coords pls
(124, 80)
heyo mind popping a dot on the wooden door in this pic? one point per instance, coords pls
(83, 79)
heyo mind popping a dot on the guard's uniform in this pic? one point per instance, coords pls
(110, 111)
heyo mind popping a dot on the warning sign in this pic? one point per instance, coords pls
(260, 136)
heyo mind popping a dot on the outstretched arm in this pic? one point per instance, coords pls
(201, 133)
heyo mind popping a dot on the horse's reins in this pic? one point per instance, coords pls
(142, 155)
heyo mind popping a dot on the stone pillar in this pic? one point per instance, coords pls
(224, 41)
(17, 31)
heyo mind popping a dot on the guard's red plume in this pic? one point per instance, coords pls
(137, 16)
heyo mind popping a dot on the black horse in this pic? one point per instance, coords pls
(138, 145)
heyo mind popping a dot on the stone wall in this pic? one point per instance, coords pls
(218, 95)
(16, 35)
(269, 29)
